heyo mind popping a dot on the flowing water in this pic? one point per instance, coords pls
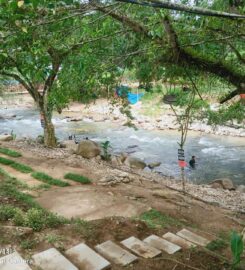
(216, 156)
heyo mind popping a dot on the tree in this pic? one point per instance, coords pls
(50, 52)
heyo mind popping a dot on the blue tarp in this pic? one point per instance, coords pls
(124, 91)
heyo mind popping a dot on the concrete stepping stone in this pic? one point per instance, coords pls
(192, 237)
(115, 253)
(86, 259)
(141, 248)
(52, 259)
(173, 238)
(162, 244)
(13, 261)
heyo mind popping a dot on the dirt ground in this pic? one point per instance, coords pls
(113, 211)
(87, 200)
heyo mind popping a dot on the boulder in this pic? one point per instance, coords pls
(135, 163)
(88, 149)
(6, 138)
(154, 165)
(241, 188)
(223, 183)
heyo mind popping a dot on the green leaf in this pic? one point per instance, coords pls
(236, 247)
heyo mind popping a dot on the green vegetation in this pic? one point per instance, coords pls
(17, 166)
(25, 211)
(77, 178)
(13, 135)
(156, 219)
(9, 152)
(237, 247)
(106, 150)
(42, 187)
(49, 180)
(28, 244)
(35, 218)
(6, 212)
(217, 245)
(11, 187)
(53, 238)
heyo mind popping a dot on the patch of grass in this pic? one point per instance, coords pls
(217, 244)
(42, 187)
(49, 180)
(77, 178)
(155, 219)
(9, 152)
(7, 212)
(82, 227)
(34, 215)
(17, 166)
(53, 238)
(28, 244)
(11, 187)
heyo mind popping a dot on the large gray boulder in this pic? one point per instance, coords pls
(6, 138)
(223, 184)
(88, 149)
(135, 163)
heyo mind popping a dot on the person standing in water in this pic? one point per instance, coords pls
(192, 162)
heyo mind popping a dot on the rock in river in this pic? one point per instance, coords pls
(223, 184)
(135, 163)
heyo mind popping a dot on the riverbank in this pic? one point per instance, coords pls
(98, 169)
(147, 115)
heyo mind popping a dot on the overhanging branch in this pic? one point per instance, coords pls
(181, 7)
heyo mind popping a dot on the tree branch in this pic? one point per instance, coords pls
(239, 56)
(229, 96)
(20, 80)
(180, 7)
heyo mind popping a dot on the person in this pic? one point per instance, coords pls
(192, 162)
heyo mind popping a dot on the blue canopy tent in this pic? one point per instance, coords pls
(124, 91)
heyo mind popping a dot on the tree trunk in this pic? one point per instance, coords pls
(48, 127)
(49, 133)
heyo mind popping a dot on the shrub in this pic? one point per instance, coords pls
(19, 218)
(7, 212)
(52, 220)
(35, 219)
(77, 178)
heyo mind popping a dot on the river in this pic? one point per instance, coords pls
(216, 156)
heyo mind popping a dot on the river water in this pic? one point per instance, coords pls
(217, 157)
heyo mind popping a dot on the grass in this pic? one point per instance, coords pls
(77, 178)
(217, 244)
(21, 209)
(49, 180)
(16, 165)
(11, 187)
(155, 219)
(9, 152)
